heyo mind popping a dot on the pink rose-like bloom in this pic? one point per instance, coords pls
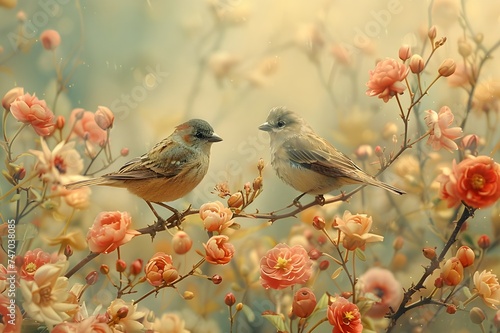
(181, 242)
(215, 216)
(9, 314)
(355, 230)
(452, 272)
(29, 109)
(110, 230)
(382, 283)
(32, 261)
(50, 39)
(10, 96)
(344, 316)
(218, 250)
(386, 79)
(475, 181)
(304, 302)
(285, 266)
(86, 127)
(160, 270)
(486, 285)
(104, 118)
(441, 136)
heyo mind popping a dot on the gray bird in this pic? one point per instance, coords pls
(308, 162)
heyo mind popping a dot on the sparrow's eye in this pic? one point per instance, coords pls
(199, 135)
(280, 123)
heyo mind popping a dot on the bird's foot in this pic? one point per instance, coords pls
(320, 199)
(296, 201)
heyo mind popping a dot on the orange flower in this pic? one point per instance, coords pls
(441, 136)
(30, 110)
(344, 316)
(285, 266)
(110, 230)
(160, 270)
(475, 181)
(304, 303)
(218, 250)
(215, 216)
(452, 272)
(486, 285)
(181, 242)
(386, 79)
(466, 256)
(355, 230)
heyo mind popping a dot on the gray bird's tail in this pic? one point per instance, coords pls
(387, 187)
(86, 182)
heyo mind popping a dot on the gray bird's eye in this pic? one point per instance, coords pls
(199, 135)
(281, 123)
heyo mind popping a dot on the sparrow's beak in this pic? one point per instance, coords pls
(265, 127)
(214, 138)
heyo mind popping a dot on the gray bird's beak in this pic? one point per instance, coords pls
(214, 138)
(265, 127)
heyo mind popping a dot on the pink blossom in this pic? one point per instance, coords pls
(344, 316)
(50, 39)
(475, 181)
(86, 127)
(381, 283)
(32, 261)
(441, 135)
(215, 216)
(386, 79)
(110, 230)
(104, 118)
(218, 250)
(29, 109)
(285, 266)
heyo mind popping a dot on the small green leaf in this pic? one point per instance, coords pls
(337, 273)
(15, 197)
(360, 254)
(248, 313)
(276, 320)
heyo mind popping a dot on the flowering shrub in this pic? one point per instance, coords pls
(231, 257)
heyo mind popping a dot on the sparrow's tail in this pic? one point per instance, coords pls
(87, 182)
(387, 187)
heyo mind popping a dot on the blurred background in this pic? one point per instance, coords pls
(158, 63)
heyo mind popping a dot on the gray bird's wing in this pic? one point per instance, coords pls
(320, 156)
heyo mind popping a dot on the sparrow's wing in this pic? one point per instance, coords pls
(318, 155)
(166, 159)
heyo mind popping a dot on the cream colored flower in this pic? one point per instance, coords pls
(46, 297)
(355, 230)
(169, 323)
(486, 285)
(60, 164)
(124, 317)
(75, 239)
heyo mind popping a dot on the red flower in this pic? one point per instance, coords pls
(284, 266)
(30, 110)
(344, 316)
(386, 79)
(475, 181)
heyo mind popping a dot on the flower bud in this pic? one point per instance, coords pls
(10, 96)
(496, 320)
(216, 279)
(19, 174)
(229, 299)
(124, 152)
(470, 144)
(21, 15)
(323, 265)
(477, 315)
(315, 254)
(92, 278)
(319, 223)
(136, 267)
(405, 52)
(104, 118)
(464, 48)
(484, 242)
(104, 269)
(235, 200)
(429, 252)
(452, 272)
(439, 283)
(466, 256)
(68, 251)
(379, 151)
(260, 165)
(239, 306)
(188, 295)
(398, 243)
(121, 266)
(451, 309)
(478, 38)
(447, 67)
(181, 242)
(432, 33)
(60, 121)
(122, 312)
(50, 39)
(417, 64)
(363, 152)
(304, 302)
(247, 188)
(346, 294)
(257, 184)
